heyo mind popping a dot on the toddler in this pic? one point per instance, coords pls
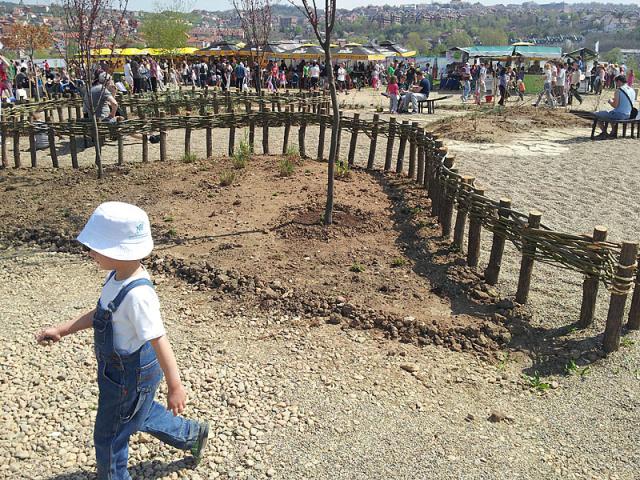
(394, 93)
(131, 346)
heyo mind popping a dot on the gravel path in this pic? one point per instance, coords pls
(293, 401)
(577, 184)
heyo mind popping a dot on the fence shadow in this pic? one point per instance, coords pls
(549, 349)
(433, 266)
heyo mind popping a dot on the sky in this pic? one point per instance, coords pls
(226, 4)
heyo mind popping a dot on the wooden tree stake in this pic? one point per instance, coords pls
(475, 233)
(374, 142)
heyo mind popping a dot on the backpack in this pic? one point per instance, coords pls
(634, 111)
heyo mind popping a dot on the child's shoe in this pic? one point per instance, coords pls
(201, 442)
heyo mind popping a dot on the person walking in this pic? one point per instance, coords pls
(130, 344)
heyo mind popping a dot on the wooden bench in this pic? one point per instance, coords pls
(615, 127)
(431, 104)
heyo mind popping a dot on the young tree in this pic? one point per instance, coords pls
(94, 24)
(323, 30)
(255, 18)
(28, 38)
(168, 27)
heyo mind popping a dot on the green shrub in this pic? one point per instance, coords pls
(398, 262)
(286, 167)
(242, 155)
(357, 268)
(189, 157)
(227, 177)
(342, 170)
(292, 153)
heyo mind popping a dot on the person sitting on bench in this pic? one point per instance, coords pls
(416, 93)
(622, 103)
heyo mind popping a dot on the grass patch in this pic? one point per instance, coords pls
(287, 167)
(342, 170)
(537, 383)
(627, 342)
(168, 219)
(357, 267)
(242, 155)
(398, 262)
(227, 177)
(172, 232)
(189, 157)
(292, 153)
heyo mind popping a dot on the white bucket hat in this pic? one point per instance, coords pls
(118, 230)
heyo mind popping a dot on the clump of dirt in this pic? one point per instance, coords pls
(497, 125)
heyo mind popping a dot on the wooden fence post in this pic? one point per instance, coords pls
(475, 232)
(404, 134)
(120, 140)
(163, 138)
(374, 142)
(492, 272)
(252, 124)
(390, 139)
(634, 313)
(187, 139)
(232, 125)
(3, 147)
(73, 149)
(265, 129)
(619, 291)
(287, 130)
(590, 286)
(421, 155)
(449, 190)
(16, 145)
(412, 149)
(52, 147)
(463, 209)
(354, 139)
(145, 143)
(323, 133)
(526, 265)
(302, 133)
(32, 147)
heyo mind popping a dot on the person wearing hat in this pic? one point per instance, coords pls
(130, 343)
(622, 103)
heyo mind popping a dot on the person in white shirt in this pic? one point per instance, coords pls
(314, 71)
(128, 77)
(342, 77)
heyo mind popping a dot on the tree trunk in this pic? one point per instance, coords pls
(335, 129)
(96, 142)
(35, 76)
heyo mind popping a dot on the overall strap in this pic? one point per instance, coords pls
(115, 303)
(109, 277)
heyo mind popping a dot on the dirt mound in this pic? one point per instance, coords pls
(260, 241)
(495, 125)
(307, 221)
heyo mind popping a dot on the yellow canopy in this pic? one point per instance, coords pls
(130, 51)
(100, 52)
(185, 50)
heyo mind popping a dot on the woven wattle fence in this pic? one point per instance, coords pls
(461, 206)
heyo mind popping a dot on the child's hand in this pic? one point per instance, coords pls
(48, 336)
(176, 399)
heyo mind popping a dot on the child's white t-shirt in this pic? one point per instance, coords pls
(137, 320)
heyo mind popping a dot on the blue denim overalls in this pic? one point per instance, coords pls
(127, 385)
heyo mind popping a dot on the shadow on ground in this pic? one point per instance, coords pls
(550, 350)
